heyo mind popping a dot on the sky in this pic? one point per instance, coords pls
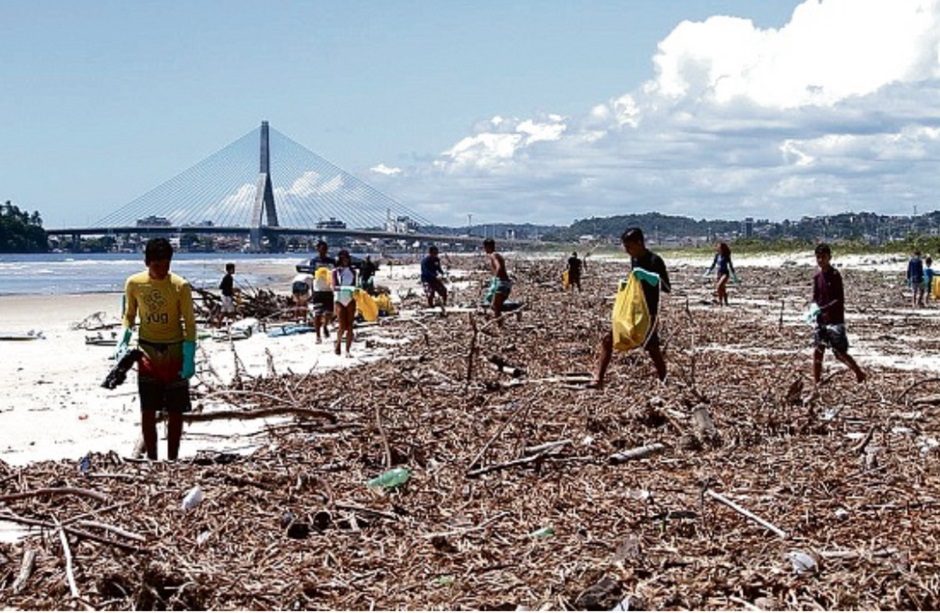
(528, 111)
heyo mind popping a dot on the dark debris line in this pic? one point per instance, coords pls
(294, 526)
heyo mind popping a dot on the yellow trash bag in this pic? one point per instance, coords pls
(366, 306)
(564, 280)
(322, 277)
(936, 288)
(630, 319)
(384, 302)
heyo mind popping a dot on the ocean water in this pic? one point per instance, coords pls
(80, 273)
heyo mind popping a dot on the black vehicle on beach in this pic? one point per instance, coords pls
(309, 266)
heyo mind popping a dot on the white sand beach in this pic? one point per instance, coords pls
(52, 405)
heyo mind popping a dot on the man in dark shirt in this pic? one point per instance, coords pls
(322, 266)
(431, 277)
(574, 271)
(227, 287)
(367, 275)
(829, 296)
(634, 244)
(915, 278)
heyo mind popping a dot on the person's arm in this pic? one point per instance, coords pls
(664, 283)
(712, 267)
(130, 314)
(187, 313)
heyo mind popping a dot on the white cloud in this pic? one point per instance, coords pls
(839, 107)
(382, 169)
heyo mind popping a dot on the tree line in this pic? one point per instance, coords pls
(21, 231)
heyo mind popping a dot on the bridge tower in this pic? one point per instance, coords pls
(263, 209)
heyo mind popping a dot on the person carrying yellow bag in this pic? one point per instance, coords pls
(634, 321)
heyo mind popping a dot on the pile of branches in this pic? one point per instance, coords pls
(737, 484)
(258, 303)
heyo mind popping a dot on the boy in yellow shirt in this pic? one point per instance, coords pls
(167, 337)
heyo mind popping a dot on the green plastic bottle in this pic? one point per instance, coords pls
(543, 533)
(392, 478)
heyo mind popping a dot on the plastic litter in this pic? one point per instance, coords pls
(803, 563)
(192, 498)
(392, 478)
(543, 533)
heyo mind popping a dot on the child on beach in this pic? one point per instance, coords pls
(300, 288)
(725, 272)
(634, 244)
(167, 338)
(344, 284)
(829, 297)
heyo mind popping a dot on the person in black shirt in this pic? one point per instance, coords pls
(323, 308)
(227, 287)
(634, 244)
(367, 275)
(574, 271)
(829, 297)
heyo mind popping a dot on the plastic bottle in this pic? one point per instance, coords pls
(392, 478)
(543, 533)
(193, 498)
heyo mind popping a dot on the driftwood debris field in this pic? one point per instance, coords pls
(736, 485)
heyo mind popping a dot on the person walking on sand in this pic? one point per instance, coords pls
(829, 298)
(500, 284)
(432, 278)
(574, 271)
(322, 291)
(634, 243)
(726, 272)
(301, 287)
(227, 287)
(915, 279)
(167, 337)
(367, 275)
(929, 276)
(344, 286)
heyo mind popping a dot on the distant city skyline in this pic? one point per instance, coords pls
(543, 112)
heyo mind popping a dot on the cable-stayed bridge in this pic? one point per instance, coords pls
(264, 185)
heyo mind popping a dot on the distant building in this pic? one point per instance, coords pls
(153, 221)
(748, 227)
(331, 224)
(401, 225)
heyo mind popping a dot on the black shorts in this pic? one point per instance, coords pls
(322, 303)
(156, 395)
(832, 336)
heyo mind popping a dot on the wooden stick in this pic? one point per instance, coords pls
(26, 569)
(742, 511)
(462, 531)
(68, 561)
(109, 528)
(378, 425)
(499, 431)
(547, 446)
(55, 491)
(637, 453)
(26, 521)
(258, 414)
(517, 462)
(916, 384)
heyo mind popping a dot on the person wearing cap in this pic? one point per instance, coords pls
(634, 243)
(167, 337)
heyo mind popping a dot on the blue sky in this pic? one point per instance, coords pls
(104, 100)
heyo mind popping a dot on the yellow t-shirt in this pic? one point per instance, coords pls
(161, 305)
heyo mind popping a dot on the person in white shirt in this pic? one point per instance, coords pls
(344, 298)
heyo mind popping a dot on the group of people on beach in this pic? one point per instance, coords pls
(160, 303)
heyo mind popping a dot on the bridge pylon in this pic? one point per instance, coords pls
(264, 209)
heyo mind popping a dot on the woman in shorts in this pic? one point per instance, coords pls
(344, 299)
